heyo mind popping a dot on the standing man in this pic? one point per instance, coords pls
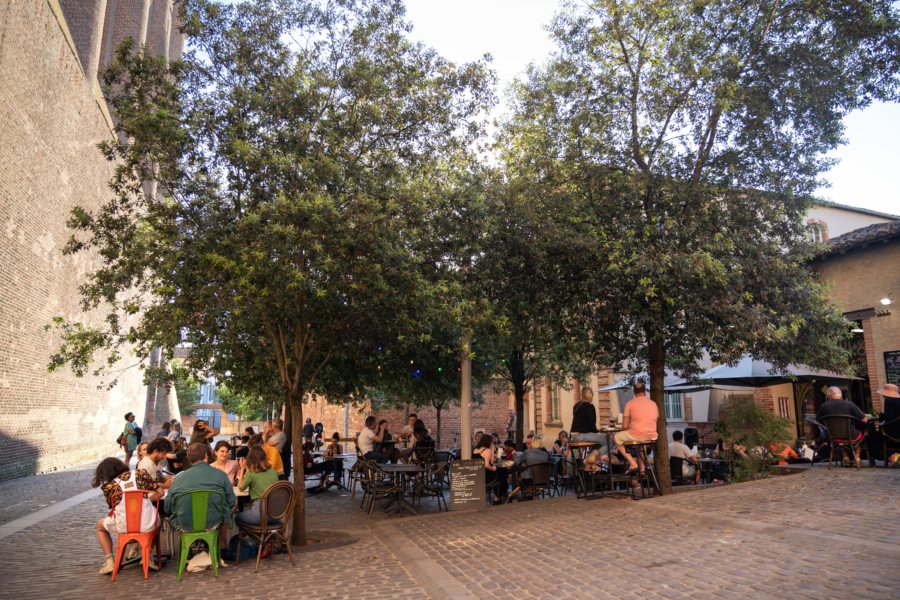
(278, 439)
(129, 437)
(367, 438)
(308, 431)
(638, 423)
(835, 405)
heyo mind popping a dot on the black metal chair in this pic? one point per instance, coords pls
(890, 438)
(539, 484)
(842, 438)
(676, 468)
(431, 484)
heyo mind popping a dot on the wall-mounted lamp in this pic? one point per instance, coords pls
(857, 330)
(886, 301)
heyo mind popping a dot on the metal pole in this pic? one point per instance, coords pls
(465, 400)
(346, 420)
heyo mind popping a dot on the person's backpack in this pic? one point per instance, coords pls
(138, 433)
(247, 549)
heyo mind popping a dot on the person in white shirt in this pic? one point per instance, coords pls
(367, 438)
(678, 449)
(154, 461)
(276, 437)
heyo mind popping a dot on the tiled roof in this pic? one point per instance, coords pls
(862, 237)
(865, 211)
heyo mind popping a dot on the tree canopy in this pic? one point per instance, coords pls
(289, 222)
(686, 138)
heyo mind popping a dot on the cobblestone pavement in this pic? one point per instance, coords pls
(28, 494)
(819, 534)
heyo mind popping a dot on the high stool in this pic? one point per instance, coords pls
(585, 482)
(641, 451)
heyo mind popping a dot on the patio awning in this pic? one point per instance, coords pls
(750, 372)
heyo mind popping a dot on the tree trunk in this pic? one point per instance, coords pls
(657, 369)
(289, 434)
(298, 529)
(517, 378)
(437, 420)
(520, 416)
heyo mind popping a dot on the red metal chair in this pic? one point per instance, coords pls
(134, 507)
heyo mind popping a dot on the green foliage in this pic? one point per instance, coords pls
(293, 150)
(245, 405)
(681, 141)
(742, 421)
(187, 389)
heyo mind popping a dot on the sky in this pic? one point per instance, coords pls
(512, 31)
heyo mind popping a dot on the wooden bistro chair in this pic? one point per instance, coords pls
(275, 508)
(840, 430)
(134, 510)
(199, 503)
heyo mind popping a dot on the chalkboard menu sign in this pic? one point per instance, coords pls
(467, 484)
(892, 366)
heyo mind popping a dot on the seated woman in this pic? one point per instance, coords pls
(223, 463)
(561, 445)
(113, 476)
(256, 474)
(423, 444)
(334, 447)
(494, 474)
(271, 452)
(313, 467)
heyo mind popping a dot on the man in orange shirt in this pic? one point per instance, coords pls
(638, 421)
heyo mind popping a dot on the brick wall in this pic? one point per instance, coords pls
(50, 124)
(491, 415)
(858, 280)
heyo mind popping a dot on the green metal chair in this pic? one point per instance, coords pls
(199, 511)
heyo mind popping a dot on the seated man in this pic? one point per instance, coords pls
(422, 443)
(835, 405)
(532, 455)
(367, 439)
(153, 460)
(638, 422)
(199, 476)
(888, 429)
(677, 449)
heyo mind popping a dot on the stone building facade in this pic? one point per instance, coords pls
(52, 116)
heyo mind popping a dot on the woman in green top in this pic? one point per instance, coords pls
(131, 440)
(258, 475)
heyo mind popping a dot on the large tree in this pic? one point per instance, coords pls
(687, 137)
(286, 151)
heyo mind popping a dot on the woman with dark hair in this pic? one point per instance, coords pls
(319, 433)
(113, 476)
(202, 433)
(494, 475)
(223, 462)
(165, 430)
(423, 444)
(257, 475)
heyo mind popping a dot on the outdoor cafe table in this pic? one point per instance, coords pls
(403, 471)
(708, 465)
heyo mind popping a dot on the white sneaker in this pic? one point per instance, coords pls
(108, 565)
